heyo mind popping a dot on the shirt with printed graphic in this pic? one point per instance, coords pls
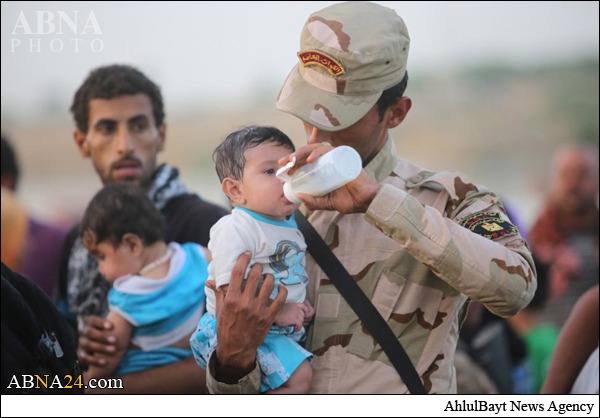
(277, 245)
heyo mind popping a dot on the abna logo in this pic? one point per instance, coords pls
(57, 23)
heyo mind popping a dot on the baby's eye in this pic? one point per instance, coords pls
(270, 171)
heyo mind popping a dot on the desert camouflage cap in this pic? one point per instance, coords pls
(349, 54)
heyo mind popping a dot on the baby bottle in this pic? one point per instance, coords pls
(331, 171)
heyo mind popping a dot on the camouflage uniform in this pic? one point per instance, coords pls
(428, 242)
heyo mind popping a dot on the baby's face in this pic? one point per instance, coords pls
(114, 262)
(261, 191)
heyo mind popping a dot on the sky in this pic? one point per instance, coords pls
(228, 52)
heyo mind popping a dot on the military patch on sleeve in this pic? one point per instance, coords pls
(489, 225)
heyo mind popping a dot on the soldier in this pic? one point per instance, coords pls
(427, 242)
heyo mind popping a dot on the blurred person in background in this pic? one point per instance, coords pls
(574, 364)
(565, 234)
(36, 254)
(120, 126)
(14, 229)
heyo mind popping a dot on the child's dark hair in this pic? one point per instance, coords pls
(121, 208)
(113, 81)
(229, 155)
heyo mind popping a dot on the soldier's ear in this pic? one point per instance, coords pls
(398, 111)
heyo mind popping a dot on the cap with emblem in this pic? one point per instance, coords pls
(349, 54)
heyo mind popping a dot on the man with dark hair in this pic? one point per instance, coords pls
(120, 125)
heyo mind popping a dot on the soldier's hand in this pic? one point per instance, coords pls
(244, 315)
(354, 197)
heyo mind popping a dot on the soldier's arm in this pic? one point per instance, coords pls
(496, 270)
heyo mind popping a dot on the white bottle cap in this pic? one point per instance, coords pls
(282, 172)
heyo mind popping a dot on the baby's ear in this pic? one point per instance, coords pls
(233, 190)
(133, 242)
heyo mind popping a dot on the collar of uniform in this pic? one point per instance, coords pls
(384, 162)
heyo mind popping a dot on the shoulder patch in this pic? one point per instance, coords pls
(489, 225)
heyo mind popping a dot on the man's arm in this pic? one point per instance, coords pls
(577, 340)
(98, 342)
(181, 378)
(244, 316)
(498, 271)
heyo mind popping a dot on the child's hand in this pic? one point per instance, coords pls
(292, 314)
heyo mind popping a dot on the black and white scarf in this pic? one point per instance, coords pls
(87, 289)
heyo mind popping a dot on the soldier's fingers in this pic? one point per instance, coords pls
(238, 272)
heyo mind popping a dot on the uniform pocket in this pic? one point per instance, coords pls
(385, 298)
(410, 309)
